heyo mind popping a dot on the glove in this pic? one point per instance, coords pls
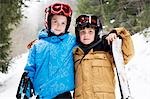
(25, 88)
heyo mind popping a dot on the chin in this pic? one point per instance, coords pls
(57, 33)
(86, 43)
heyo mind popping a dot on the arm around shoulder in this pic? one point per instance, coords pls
(31, 43)
(127, 43)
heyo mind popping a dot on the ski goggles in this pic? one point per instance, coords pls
(84, 20)
(60, 9)
(87, 21)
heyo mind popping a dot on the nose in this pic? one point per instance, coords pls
(58, 25)
(86, 34)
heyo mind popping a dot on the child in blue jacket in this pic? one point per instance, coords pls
(50, 60)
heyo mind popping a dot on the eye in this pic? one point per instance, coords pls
(54, 21)
(82, 32)
(63, 23)
(91, 31)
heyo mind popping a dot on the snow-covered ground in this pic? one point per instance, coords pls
(137, 72)
(9, 82)
(139, 67)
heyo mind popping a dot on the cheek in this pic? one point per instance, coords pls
(64, 27)
(93, 37)
(81, 38)
(53, 26)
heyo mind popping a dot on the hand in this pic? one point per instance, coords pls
(111, 37)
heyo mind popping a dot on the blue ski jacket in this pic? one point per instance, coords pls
(50, 64)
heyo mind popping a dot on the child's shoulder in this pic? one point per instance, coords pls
(71, 35)
(71, 39)
(34, 42)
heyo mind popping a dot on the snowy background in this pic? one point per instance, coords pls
(137, 72)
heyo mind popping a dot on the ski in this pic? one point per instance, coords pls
(120, 69)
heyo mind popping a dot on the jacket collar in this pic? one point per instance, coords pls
(43, 34)
(79, 51)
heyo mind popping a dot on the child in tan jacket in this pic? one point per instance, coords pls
(94, 65)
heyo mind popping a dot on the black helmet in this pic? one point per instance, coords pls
(88, 21)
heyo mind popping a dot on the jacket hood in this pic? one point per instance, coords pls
(42, 34)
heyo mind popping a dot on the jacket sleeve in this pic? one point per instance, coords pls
(31, 43)
(30, 65)
(127, 44)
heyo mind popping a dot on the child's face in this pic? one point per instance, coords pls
(87, 35)
(58, 24)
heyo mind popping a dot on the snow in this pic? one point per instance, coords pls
(138, 68)
(10, 81)
(137, 71)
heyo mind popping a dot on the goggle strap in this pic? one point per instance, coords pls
(46, 16)
(89, 19)
(97, 22)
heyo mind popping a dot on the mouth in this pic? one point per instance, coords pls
(57, 30)
(85, 39)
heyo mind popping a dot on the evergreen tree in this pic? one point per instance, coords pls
(132, 14)
(10, 15)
